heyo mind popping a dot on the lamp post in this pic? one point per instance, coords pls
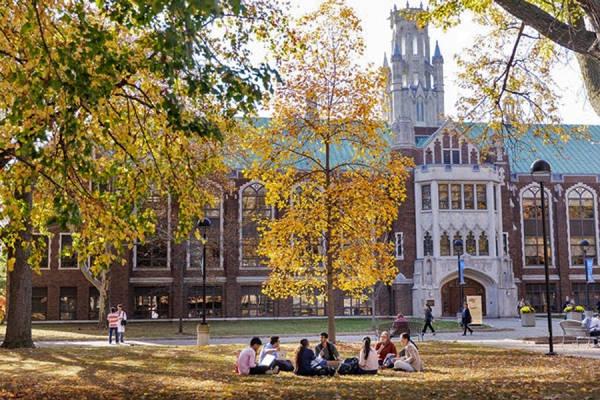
(540, 171)
(458, 249)
(584, 244)
(205, 223)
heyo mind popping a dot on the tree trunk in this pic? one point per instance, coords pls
(590, 71)
(103, 286)
(18, 321)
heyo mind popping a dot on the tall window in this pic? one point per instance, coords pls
(213, 241)
(68, 303)
(305, 306)
(68, 260)
(399, 246)
(151, 302)
(255, 303)
(426, 197)
(427, 245)
(93, 303)
(214, 302)
(354, 306)
(457, 236)
(532, 228)
(536, 295)
(451, 156)
(254, 209)
(456, 193)
(443, 196)
(582, 224)
(152, 254)
(445, 244)
(481, 197)
(39, 304)
(471, 245)
(484, 245)
(469, 197)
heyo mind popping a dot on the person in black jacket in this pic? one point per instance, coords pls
(306, 361)
(428, 320)
(466, 319)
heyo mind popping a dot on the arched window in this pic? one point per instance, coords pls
(470, 244)
(254, 209)
(532, 227)
(445, 244)
(582, 224)
(457, 236)
(484, 245)
(427, 245)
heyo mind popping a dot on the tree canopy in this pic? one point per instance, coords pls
(107, 104)
(325, 163)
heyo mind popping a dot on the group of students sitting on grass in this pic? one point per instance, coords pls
(326, 360)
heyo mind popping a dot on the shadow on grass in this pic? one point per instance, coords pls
(452, 370)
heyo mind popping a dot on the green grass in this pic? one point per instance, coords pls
(159, 329)
(452, 370)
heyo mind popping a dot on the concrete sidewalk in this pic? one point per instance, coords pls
(505, 333)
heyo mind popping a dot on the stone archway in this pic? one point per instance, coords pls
(450, 295)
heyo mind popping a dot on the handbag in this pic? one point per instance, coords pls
(123, 322)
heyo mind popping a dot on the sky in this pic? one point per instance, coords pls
(377, 33)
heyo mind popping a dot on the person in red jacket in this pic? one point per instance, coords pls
(113, 325)
(386, 350)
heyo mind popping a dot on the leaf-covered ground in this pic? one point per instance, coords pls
(452, 370)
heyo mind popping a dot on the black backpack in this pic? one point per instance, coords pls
(325, 370)
(348, 366)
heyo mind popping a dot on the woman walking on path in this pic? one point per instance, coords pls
(466, 320)
(428, 320)
(122, 322)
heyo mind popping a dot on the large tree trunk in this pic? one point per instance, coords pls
(590, 71)
(103, 285)
(18, 321)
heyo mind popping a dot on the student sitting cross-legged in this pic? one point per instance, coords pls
(411, 362)
(307, 363)
(273, 356)
(246, 361)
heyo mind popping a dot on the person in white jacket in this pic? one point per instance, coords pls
(595, 329)
(122, 322)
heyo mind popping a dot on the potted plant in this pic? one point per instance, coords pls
(574, 312)
(527, 316)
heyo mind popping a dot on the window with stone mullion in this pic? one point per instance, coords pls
(582, 225)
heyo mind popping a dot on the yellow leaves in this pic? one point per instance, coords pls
(11, 264)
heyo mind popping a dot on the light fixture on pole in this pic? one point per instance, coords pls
(458, 250)
(205, 223)
(540, 172)
(584, 244)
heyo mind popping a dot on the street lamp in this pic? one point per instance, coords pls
(205, 223)
(584, 244)
(458, 249)
(540, 171)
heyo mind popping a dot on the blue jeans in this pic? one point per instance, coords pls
(110, 332)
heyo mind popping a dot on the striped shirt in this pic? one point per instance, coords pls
(113, 320)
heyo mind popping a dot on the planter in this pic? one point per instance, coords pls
(203, 335)
(527, 319)
(574, 315)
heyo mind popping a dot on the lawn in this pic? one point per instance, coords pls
(452, 370)
(156, 329)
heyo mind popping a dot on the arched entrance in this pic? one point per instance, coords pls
(450, 296)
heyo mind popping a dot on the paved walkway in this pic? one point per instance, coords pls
(506, 333)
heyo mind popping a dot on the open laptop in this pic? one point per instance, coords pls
(267, 360)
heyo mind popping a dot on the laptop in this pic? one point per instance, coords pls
(267, 360)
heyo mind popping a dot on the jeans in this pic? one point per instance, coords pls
(120, 335)
(110, 332)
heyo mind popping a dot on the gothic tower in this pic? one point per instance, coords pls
(415, 80)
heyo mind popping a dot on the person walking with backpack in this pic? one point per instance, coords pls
(113, 323)
(122, 322)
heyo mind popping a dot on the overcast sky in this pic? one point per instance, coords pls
(377, 35)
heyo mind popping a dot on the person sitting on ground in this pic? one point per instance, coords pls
(246, 361)
(306, 360)
(327, 350)
(594, 327)
(386, 350)
(367, 358)
(411, 362)
(399, 326)
(273, 348)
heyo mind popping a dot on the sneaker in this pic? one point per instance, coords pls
(273, 371)
(597, 345)
(433, 333)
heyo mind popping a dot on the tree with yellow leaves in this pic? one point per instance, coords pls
(106, 104)
(325, 162)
